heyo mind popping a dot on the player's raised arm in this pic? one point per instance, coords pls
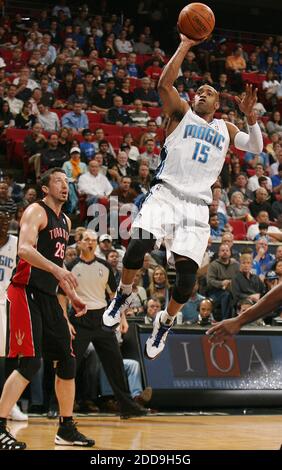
(251, 142)
(170, 98)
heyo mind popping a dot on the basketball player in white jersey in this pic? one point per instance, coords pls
(8, 256)
(176, 209)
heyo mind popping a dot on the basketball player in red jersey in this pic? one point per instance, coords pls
(37, 325)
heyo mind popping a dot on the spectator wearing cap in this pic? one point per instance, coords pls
(87, 147)
(74, 169)
(76, 119)
(263, 260)
(246, 284)
(101, 102)
(94, 184)
(105, 246)
(271, 280)
(117, 114)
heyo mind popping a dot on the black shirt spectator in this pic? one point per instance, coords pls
(25, 119)
(116, 114)
(35, 142)
(260, 203)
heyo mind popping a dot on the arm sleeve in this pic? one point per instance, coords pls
(251, 142)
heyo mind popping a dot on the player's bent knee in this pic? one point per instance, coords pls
(28, 367)
(137, 248)
(66, 368)
(186, 271)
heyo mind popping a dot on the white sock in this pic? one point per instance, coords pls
(166, 318)
(125, 288)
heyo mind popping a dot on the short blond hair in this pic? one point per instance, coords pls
(246, 257)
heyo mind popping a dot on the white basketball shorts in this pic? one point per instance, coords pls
(181, 225)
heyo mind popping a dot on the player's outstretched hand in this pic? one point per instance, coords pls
(246, 104)
(222, 330)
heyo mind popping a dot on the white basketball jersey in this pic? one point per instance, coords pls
(8, 255)
(193, 155)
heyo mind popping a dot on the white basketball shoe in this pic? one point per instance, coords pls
(156, 343)
(120, 303)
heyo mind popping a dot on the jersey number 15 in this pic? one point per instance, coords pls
(201, 152)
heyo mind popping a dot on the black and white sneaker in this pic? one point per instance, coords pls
(112, 315)
(8, 442)
(156, 342)
(68, 435)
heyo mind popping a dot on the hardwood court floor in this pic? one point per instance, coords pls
(162, 432)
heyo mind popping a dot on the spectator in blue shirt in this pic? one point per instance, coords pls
(76, 119)
(190, 310)
(263, 260)
(87, 147)
(252, 159)
(277, 180)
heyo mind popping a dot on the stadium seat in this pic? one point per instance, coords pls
(239, 229)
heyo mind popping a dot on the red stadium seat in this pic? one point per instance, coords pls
(93, 118)
(154, 112)
(239, 229)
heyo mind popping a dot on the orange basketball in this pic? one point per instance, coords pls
(196, 21)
